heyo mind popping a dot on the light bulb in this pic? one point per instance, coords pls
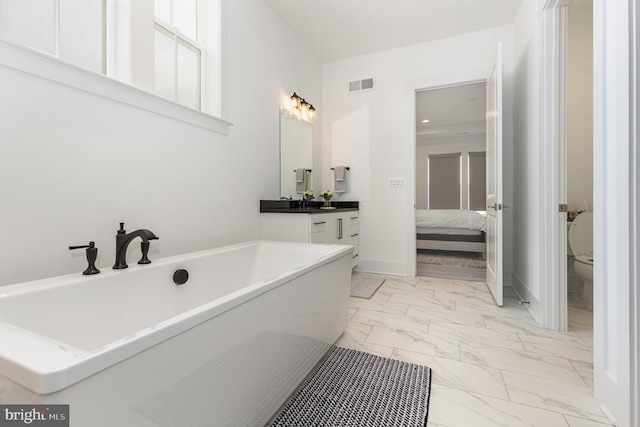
(295, 101)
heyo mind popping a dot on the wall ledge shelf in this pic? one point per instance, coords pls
(42, 65)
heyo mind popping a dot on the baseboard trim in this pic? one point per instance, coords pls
(609, 415)
(382, 267)
(534, 307)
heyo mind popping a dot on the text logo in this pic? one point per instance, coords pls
(34, 415)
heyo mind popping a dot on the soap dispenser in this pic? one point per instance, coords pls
(92, 255)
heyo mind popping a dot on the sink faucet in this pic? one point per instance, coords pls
(122, 243)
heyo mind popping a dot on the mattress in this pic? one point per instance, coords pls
(448, 231)
(459, 219)
(480, 237)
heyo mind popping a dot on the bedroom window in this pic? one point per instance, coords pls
(477, 181)
(444, 188)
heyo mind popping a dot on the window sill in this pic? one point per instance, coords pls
(42, 65)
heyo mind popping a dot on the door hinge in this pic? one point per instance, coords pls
(563, 208)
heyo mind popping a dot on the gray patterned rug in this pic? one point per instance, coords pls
(357, 389)
(453, 259)
(364, 287)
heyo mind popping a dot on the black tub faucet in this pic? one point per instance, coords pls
(122, 243)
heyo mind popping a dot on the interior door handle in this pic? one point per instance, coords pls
(493, 206)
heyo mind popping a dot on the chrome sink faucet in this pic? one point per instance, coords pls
(122, 243)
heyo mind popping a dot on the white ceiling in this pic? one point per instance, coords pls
(452, 112)
(338, 29)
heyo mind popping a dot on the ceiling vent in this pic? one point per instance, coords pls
(359, 85)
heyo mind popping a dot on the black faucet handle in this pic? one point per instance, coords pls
(144, 247)
(90, 245)
(92, 255)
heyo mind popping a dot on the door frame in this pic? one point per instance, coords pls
(615, 216)
(634, 258)
(494, 142)
(413, 86)
(553, 253)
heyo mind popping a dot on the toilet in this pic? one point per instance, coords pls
(581, 245)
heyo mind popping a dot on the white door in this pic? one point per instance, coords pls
(494, 179)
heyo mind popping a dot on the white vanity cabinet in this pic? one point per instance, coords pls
(334, 227)
(343, 229)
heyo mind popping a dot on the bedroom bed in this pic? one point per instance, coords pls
(451, 230)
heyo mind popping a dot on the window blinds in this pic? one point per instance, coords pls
(477, 181)
(444, 181)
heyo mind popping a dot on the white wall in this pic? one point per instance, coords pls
(371, 132)
(580, 104)
(527, 141)
(74, 164)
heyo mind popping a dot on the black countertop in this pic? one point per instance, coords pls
(312, 207)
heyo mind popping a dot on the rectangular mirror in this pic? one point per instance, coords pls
(296, 152)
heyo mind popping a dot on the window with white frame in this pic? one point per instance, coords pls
(71, 30)
(178, 55)
(161, 46)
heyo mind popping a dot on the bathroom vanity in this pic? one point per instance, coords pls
(284, 220)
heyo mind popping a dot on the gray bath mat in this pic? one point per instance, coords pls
(364, 287)
(353, 388)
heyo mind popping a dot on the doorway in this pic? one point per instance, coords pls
(579, 163)
(450, 127)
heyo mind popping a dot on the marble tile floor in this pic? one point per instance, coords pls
(491, 366)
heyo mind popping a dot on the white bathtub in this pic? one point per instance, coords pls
(130, 347)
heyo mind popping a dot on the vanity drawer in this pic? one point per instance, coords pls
(354, 224)
(317, 223)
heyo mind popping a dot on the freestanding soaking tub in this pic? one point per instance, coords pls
(133, 348)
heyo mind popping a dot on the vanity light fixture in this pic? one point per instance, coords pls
(301, 108)
(295, 101)
(304, 106)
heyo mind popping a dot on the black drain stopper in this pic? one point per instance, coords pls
(180, 277)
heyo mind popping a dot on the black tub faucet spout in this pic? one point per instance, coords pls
(122, 243)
